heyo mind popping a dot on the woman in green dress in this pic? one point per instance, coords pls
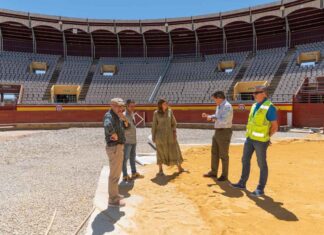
(164, 135)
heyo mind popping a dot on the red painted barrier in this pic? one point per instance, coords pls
(308, 115)
(95, 113)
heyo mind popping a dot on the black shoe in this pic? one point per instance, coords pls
(238, 186)
(222, 178)
(257, 193)
(210, 175)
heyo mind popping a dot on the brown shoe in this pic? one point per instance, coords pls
(210, 175)
(118, 203)
(137, 176)
(127, 178)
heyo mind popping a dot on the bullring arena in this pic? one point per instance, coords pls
(58, 75)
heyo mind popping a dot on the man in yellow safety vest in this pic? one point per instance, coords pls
(262, 124)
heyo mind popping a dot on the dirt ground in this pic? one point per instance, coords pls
(191, 204)
(13, 135)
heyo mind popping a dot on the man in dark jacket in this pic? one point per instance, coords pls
(115, 123)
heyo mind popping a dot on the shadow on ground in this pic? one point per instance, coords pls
(105, 220)
(265, 202)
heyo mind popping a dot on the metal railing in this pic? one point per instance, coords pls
(157, 86)
(247, 98)
(310, 92)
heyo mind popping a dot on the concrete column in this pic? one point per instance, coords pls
(34, 41)
(64, 45)
(91, 40)
(224, 34)
(255, 47)
(224, 42)
(93, 47)
(288, 34)
(170, 45)
(197, 44)
(144, 41)
(119, 46)
(33, 34)
(118, 41)
(144, 45)
(1, 40)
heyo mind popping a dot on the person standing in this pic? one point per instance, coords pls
(114, 124)
(164, 135)
(223, 118)
(262, 124)
(130, 144)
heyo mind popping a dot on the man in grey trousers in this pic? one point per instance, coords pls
(223, 118)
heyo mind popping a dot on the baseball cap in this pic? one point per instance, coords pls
(118, 101)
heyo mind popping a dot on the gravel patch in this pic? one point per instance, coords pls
(59, 169)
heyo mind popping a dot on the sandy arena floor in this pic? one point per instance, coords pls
(41, 171)
(191, 204)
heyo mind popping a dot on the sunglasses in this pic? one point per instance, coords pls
(257, 92)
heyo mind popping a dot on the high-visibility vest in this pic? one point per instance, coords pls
(258, 126)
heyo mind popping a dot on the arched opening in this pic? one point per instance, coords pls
(16, 37)
(239, 36)
(106, 44)
(49, 40)
(270, 32)
(306, 26)
(157, 43)
(210, 39)
(131, 43)
(78, 42)
(184, 41)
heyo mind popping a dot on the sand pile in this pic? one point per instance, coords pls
(191, 204)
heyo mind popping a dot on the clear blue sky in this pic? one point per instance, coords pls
(127, 9)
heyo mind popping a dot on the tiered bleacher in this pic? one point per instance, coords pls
(135, 78)
(14, 69)
(194, 82)
(74, 70)
(264, 65)
(295, 74)
(188, 80)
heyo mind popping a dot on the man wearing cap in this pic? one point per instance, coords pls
(115, 123)
(222, 138)
(262, 124)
